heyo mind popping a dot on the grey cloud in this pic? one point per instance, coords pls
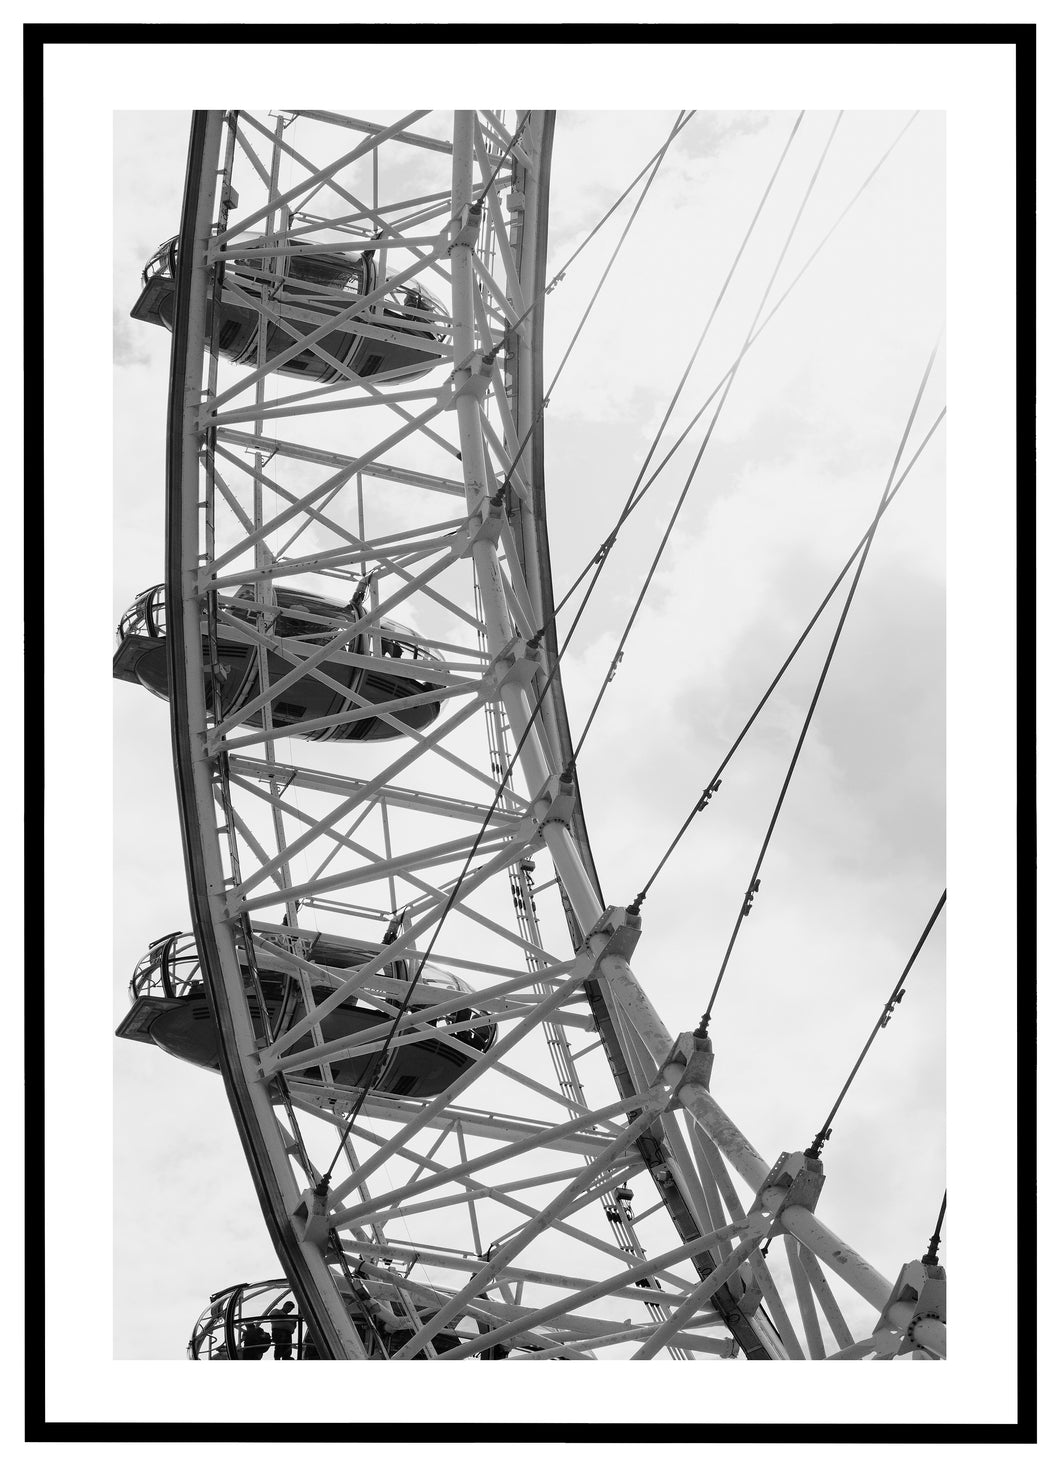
(130, 349)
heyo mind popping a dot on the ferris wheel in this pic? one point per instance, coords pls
(469, 1130)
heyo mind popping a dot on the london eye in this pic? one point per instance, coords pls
(518, 1074)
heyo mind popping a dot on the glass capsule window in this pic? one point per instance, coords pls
(162, 262)
(170, 968)
(146, 617)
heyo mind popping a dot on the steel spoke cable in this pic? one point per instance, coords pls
(491, 356)
(538, 637)
(632, 498)
(451, 899)
(715, 780)
(730, 380)
(748, 897)
(550, 620)
(780, 300)
(501, 160)
(931, 1257)
(608, 544)
(653, 161)
(896, 996)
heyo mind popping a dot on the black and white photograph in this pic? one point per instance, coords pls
(536, 791)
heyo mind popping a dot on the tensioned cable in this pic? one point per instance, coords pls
(715, 780)
(608, 544)
(539, 635)
(501, 160)
(654, 160)
(491, 356)
(701, 1028)
(497, 499)
(931, 1257)
(710, 429)
(781, 299)
(897, 994)
(601, 554)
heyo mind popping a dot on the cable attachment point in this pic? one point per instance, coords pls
(931, 1257)
(890, 1008)
(517, 662)
(614, 665)
(704, 799)
(750, 896)
(469, 222)
(690, 1061)
(916, 1310)
(814, 1150)
(556, 801)
(799, 1176)
(605, 549)
(633, 910)
(310, 1217)
(550, 288)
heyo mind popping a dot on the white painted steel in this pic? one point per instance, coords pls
(264, 862)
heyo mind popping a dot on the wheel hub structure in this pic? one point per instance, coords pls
(378, 802)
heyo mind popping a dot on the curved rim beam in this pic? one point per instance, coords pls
(304, 1265)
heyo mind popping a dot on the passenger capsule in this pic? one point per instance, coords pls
(232, 680)
(307, 289)
(262, 1321)
(252, 1322)
(170, 1009)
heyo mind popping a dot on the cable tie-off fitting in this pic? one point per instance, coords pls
(633, 910)
(704, 799)
(750, 896)
(889, 1010)
(605, 548)
(817, 1146)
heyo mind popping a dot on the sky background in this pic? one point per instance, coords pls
(167, 1230)
(787, 485)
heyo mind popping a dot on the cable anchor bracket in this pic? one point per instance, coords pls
(799, 1176)
(920, 1294)
(310, 1218)
(468, 224)
(517, 662)
(615, 935)
(689, 1062)
(555, 803)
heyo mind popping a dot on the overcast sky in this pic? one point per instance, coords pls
(788, 484)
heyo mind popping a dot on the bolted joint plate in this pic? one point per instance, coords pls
(469, 224)
(517, 663)
(922, 1285)
(310, 1219)
(491, 522)
(615, 935)
(801, 1176)
(689, 1062)
(476, 384)
(555, 803)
